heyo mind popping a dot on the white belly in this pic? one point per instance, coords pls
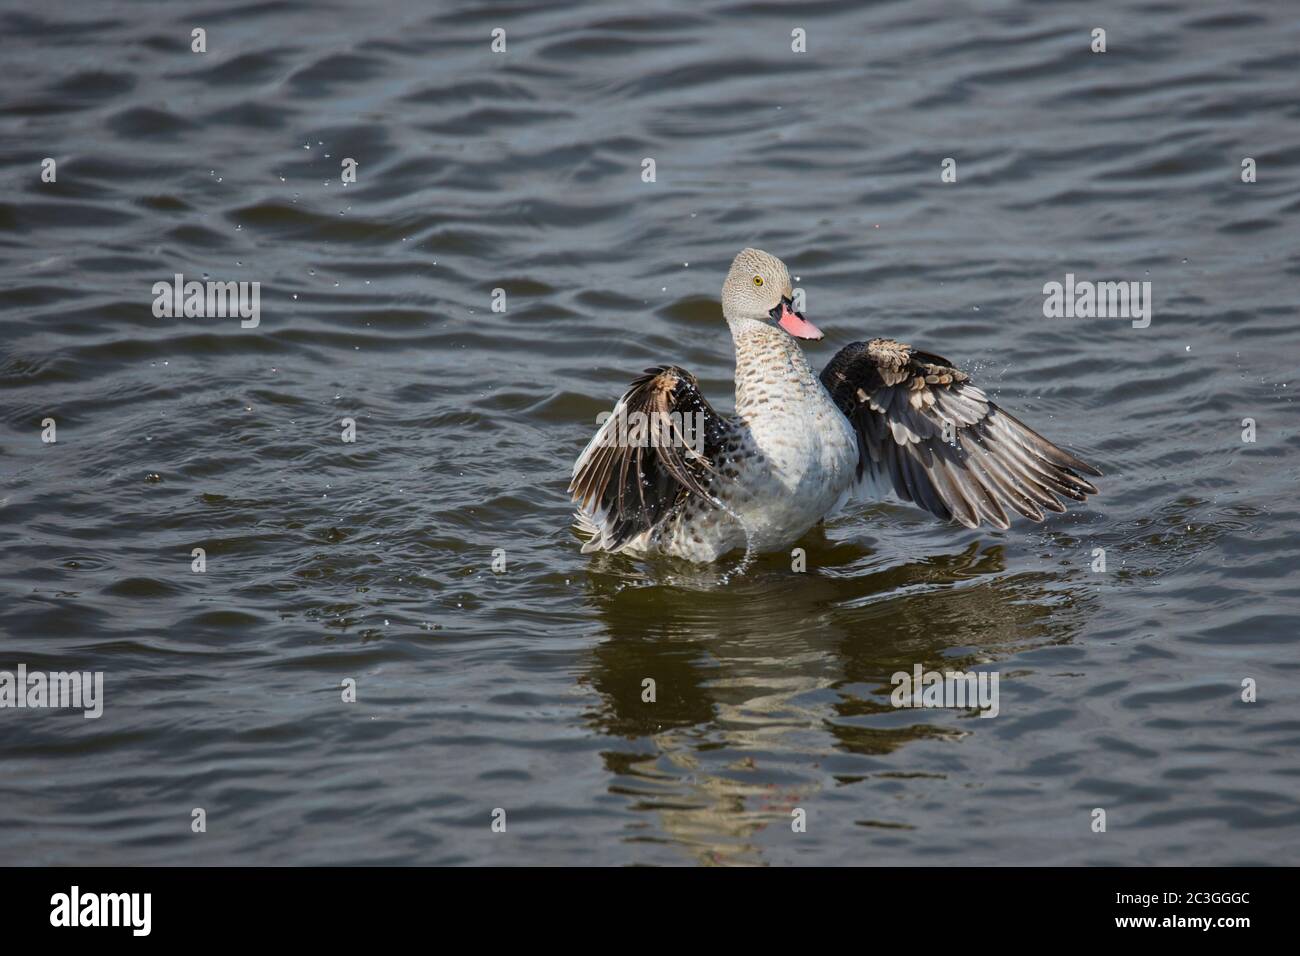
(795, 469)
(810, 460)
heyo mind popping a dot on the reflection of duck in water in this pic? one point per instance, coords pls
(685, 481)
(776, 689)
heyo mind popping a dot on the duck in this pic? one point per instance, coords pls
(667, 474)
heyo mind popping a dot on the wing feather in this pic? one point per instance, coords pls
(926, 430)
(642, 464)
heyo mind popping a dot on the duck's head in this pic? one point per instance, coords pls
(758, 287)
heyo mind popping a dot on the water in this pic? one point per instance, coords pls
(522, 690)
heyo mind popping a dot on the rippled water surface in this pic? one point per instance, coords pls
(522, 690)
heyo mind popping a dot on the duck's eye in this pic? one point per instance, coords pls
(758, 280)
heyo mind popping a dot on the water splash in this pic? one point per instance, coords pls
(747, 559)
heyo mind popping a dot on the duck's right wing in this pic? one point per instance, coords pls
(659, 447)
(928, 432)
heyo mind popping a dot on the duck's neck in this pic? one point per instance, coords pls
(772, 376)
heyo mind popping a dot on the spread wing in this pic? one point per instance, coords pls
(937, 440)
(657, 449)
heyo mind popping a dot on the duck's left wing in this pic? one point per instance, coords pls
(658, 447)
(928, 433)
